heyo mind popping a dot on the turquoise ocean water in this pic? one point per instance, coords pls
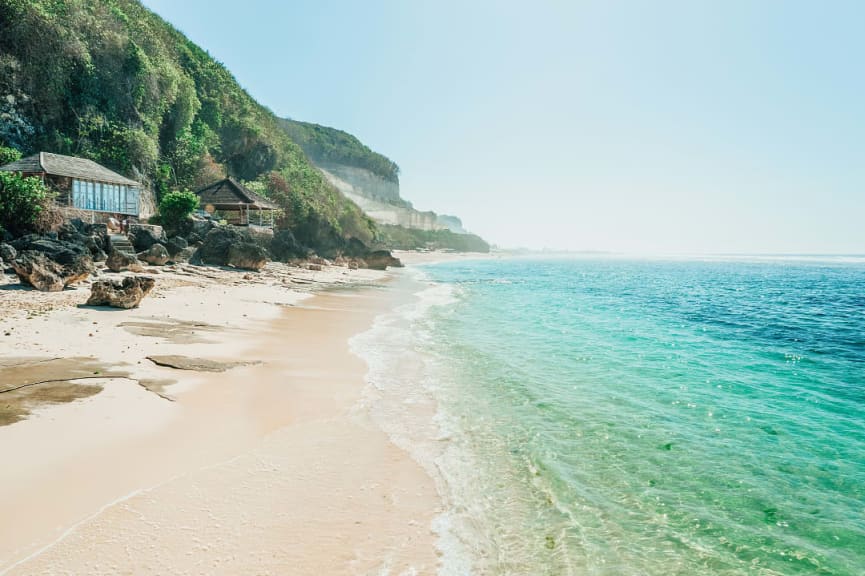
(616, 417)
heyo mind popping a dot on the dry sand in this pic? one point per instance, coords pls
(266, 468)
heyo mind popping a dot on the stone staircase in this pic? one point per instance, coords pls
(121, 243)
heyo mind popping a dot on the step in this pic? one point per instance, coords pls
(121, 243)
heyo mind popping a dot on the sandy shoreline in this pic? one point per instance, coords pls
(267, 468)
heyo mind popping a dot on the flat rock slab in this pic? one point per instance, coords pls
(28, 383)
(175, 331)
(196, 364)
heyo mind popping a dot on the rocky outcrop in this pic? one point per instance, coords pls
(285, 247)
(184, 255)
(176, 245)
(156, 255)
(7, 253)
(93, 237)
(380, 260)
(126, 293)
(118, 261)
(143, 236)
(61, 251)
(47, 275)
(200, 228)
(224, 246)
(247, 256)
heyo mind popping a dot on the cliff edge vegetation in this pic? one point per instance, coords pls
(325, 145)
(402, 238)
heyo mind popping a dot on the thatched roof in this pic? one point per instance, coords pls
(70, 166)
(230, 194)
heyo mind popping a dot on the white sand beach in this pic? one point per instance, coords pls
(269, 467)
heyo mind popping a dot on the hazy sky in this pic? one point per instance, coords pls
(692, 126)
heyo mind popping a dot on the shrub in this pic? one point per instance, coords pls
(24, 203)
(8, 155)
(176, 206)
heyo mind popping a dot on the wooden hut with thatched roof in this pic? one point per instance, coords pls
(237, 204)
(82, 184)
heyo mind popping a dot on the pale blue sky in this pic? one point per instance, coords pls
(729, 126)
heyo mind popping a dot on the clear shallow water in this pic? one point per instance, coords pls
(637, 417)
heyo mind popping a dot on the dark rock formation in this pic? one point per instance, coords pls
(7, 253)
(224, 246)
(247, 256)
(126, 293)
(354, 248)
(118, 261)
(184, 255)
(200, 228)
(380, 260)
(94, 237)
(156, 255)
(99, 255)
(144, 236)
(176, 245)
(48, 275)
(285, 247)
(217, 243)
(60, 251)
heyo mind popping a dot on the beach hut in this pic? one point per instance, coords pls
(81, 184)
(237, 204)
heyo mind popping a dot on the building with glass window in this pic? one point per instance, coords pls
(82, 184)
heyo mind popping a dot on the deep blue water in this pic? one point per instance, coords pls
(653, 417)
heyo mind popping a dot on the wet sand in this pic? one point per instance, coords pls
(267, 468)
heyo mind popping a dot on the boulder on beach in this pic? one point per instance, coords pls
(381, 259)
(60, 251)
(247, 256)
(7, 253)
(176, 245)
(118, 261)
(156, 255)
(225, 246)
(41, 272)
(126, 293)
(143, 236)
(285, 247)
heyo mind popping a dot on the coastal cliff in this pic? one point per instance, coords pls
(369, 179)
(378, 198)
(115, 83)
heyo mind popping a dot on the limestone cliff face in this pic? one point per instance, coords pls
(363, 182)
(378, 197)
(452, 223)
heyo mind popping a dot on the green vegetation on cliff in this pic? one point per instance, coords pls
(323, 144)
(111, 81)
(400, 238)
